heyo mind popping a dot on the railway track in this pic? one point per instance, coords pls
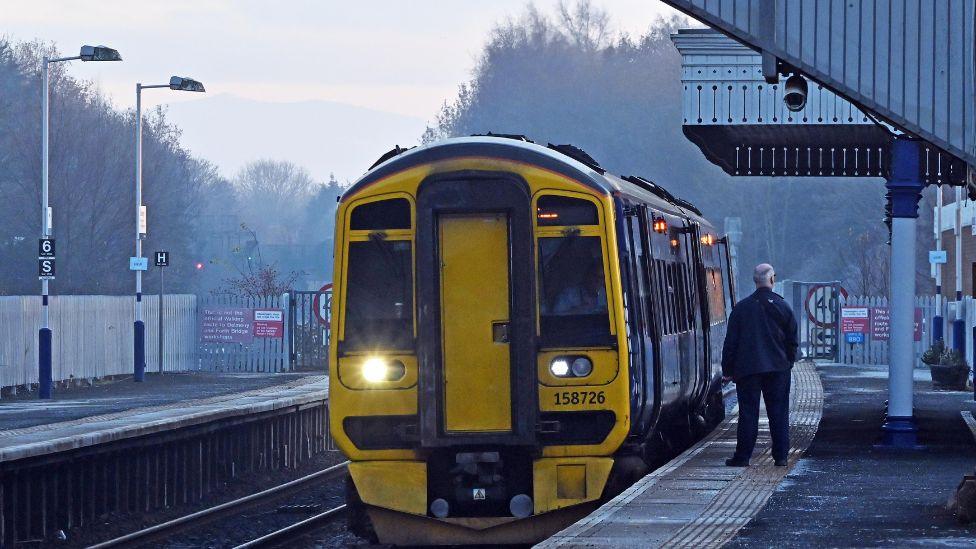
(288, 533)
(199, 518)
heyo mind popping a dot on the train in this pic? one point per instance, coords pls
(517, 335)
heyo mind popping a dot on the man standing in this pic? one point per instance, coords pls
(760, 349)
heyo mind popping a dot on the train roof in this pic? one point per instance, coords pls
(566, 160)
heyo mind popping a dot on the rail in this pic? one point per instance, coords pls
(199, 518)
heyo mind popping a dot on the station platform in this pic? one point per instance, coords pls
(840, 489)
(106, 396)
(90, 416)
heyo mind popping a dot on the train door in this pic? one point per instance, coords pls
(475, 310)
(698, 311)
(474, 273)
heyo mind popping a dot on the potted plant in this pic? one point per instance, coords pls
(948, 367)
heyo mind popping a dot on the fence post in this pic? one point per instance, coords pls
(286, 335)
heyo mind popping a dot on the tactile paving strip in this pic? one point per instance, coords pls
(695, 500)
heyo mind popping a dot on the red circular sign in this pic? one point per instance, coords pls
(821, 309)
(319, 307)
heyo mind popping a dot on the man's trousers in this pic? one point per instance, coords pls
(775, 390)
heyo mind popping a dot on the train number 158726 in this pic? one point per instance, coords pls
(566, 398)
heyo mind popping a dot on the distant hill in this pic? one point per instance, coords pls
(322, 136)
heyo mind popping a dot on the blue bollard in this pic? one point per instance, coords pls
(44, 363)
(139, 354)
(959, 336)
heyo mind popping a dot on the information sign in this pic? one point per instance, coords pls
(269, 323)
(881, 324)
(138, 263)
(854, 320)
(162, 259)
(45, 268)
(854, 337)
(226, 325)
(45, 247)
(938, 257)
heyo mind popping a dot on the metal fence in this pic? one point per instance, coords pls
(308, 318)
(92, 336)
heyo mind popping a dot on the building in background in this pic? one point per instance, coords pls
(947, 230)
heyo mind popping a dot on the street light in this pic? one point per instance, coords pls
(177, 83)
(87, 53)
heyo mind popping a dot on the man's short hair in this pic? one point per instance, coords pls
(763, 273)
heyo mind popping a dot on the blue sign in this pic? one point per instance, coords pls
(138, 263)
(854, 337)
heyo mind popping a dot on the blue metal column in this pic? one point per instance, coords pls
(904, 191)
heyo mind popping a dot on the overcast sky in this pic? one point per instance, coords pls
(396, 56)
(281, 75)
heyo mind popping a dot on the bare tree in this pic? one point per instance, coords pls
(584, 24)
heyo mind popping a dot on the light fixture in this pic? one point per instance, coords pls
(182, 83)
(559, 367)
(571, 366)
(377, 369)
(581, 367)
(99, 53)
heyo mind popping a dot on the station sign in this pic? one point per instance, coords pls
(45, 247)
(45, 268)
(161, 259)
(269, 323)
(938, 257)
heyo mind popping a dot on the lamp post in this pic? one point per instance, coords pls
(177, 83)
(87, 53)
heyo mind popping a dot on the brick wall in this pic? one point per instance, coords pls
(969, 261)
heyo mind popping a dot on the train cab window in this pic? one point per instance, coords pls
(379, 295)
(383, 214)
(555, 210)
(573, 292)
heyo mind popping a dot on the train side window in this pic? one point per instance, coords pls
(556, 210)
(671, 290)
(716, 296)
(680, 297)
(393, 213)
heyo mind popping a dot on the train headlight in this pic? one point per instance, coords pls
(571, 366)
(559, 367)
(581, 367)
(377, 369)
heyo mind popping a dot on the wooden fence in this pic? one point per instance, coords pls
(875, 351)
(257, 354)
(92, 336)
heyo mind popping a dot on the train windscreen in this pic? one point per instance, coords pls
(379, 295)
(572, 292)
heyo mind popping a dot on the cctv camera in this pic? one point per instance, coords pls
(795, 95)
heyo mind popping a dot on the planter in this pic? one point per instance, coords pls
(949, 377)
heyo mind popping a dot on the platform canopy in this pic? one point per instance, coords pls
(909, 63)
(741, 123)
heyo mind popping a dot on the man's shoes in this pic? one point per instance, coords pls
(781, 463)
(736, 462)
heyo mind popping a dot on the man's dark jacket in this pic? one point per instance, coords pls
(761, 336)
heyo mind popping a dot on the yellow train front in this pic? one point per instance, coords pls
(504, 352)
